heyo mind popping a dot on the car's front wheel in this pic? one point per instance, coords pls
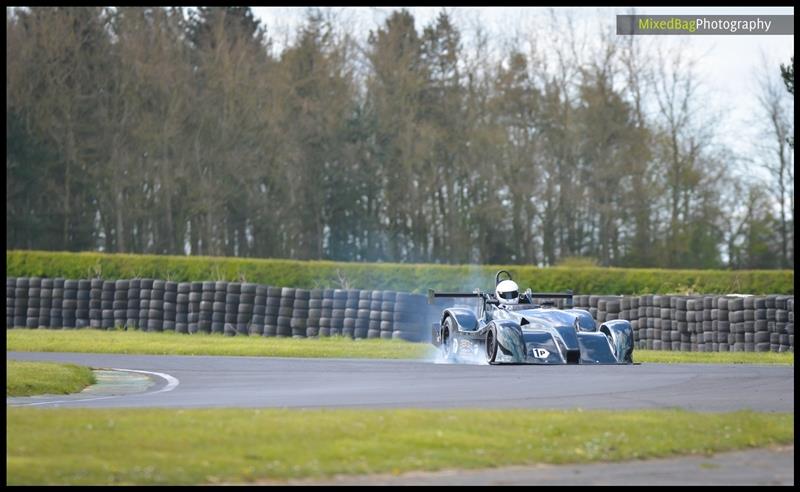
(448, 339)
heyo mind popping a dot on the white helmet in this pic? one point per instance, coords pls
(507, 292)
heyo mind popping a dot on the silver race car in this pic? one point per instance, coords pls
(528, 328)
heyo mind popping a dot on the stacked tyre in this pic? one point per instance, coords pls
(205, 318)
(654, 324)
(593, 302)
(11, 287)
(663, 323)
(645, 307)
(272, 311)
(259, 310)
(739, 325)
(388, 308)
(361, 327)
(56, 303)
(350, 313)
(299, 320)
(641, 321)
(69, 303)
(182, 307)
(132, 306)
(780, 337)
(690, 332)
(651, 312)
(45, 302)
(625, 303)
(120, 304)
(374, 327)
(789, 328)
(749, 309)
(691, 337)
(244, 310)
(77, 304)
(612, 308)
(633, 313)
(233, 292)
(682, 324)
(735, 306)
(761, 334)
(713, 316)
(284, 322)
(32, 311)
(168, 306)
(314, 313)
(410, 319)
(690, 329)
(96, 303)
(218, 307)
(672, 340)
(601, 309)
(155, 313)
(772, 328)
(195, 298)
(724, 334)
(82, 304)
(338, 307)
(146, 285)
(326, 312)
(709, 337)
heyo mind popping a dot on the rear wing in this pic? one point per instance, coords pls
(432, 295)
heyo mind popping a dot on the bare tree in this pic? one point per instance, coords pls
(777, 154)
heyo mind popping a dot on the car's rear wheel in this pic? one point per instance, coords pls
(491, 345)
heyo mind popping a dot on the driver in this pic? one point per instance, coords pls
(507, 292)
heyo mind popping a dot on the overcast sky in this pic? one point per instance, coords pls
(728, 70)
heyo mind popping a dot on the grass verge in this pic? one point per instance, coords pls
(666, 357)
(38, 378)
(166, 446)
(170, 343)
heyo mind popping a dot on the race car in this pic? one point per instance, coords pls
(507, 327)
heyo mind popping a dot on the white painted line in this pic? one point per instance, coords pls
(64, 401)
(172, 383)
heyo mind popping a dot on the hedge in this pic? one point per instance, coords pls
(395, 276)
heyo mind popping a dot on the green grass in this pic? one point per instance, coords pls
(407, 277)
(170, 343)
(167, 446)
(667, 357)
(39, 378)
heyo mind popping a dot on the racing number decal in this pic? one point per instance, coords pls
(540, 353)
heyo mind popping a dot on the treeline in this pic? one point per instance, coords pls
(150, 130)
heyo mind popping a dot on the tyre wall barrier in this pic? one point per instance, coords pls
(701, 323)
(696, 323)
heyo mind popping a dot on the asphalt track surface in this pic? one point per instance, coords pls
(217, 381)
(212, 381)
(772, 466)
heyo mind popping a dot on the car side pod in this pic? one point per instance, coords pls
(620, 334)
(612, 343)
(510, 341)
